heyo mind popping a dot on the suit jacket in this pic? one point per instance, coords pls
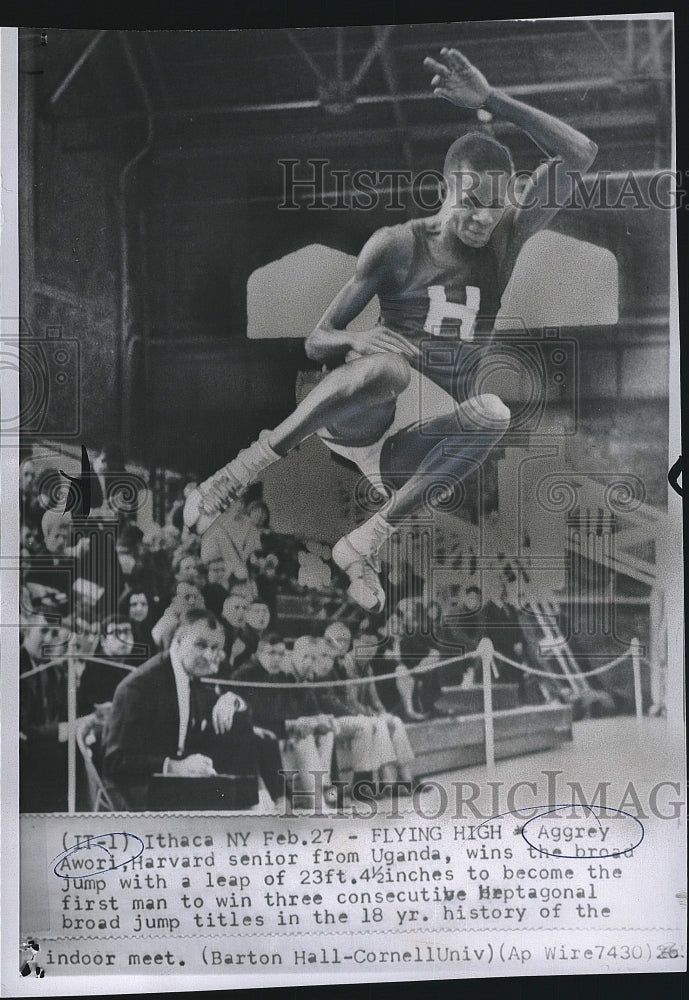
(143, 728)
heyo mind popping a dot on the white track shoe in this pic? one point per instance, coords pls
(206, 503)
(357, 555)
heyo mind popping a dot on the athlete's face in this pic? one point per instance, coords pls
(474, 204)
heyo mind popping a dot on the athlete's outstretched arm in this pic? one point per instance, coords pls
(381, 259)
(569, 150)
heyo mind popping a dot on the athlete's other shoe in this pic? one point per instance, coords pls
(208, 501)
(357, 555)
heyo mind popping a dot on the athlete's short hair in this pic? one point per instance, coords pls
(478, 152)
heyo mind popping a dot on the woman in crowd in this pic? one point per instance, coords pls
(136, 607)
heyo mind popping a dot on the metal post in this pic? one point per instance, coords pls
(485, 650)
(636, 666)
(71, 735)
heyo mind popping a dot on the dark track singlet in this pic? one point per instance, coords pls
(450, 305)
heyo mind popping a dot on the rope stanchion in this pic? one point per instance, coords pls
(71, 735)
(486, 651)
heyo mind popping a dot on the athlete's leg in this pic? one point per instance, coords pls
(434, 452)
(428, 455)
(355, 402)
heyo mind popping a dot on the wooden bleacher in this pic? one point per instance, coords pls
(469, 700)
(455, 742)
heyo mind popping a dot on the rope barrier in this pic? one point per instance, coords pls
(559, 677)
(373, 679)
(421, 669)
(291, 685)
(75, 656)
(485, 653)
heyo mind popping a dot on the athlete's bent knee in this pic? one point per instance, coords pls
(490, 412)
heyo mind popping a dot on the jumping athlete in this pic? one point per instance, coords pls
(396, 400)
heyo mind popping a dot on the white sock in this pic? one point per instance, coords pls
(369, 537)
(254, 459)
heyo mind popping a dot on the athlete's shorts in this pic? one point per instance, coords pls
(422, 400)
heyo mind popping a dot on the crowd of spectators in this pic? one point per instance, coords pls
(112, 599)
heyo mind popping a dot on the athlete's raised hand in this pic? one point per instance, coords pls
(457, 80)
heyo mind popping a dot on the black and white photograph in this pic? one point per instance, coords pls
(341, 437)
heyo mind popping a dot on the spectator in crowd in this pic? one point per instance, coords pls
(42, 719)
(500, 621)
(165, 721)
(314, 571)
(399, 579)
(48, 491)
(272, 707)
(58, 566)
(410, 647)
(109, 477)
(136, 607)
(266, 570)
(84, 646)
(139, 570)
(234, 538)
(394, 771)
(362, 744)
(174, 514)
(30, 541)
(187, 597)
(256, 623)
(232, 621)
(258, 513)
(85, 635)
(99, 679)
(187, 567)
(310, 732)
(30, 508)
(215, 590)
(268, 706)
(160, 544)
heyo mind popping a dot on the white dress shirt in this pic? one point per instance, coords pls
(183, 698)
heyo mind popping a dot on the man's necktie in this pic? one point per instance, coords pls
(196, 714)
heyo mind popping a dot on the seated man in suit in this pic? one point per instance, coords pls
(165, 721)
